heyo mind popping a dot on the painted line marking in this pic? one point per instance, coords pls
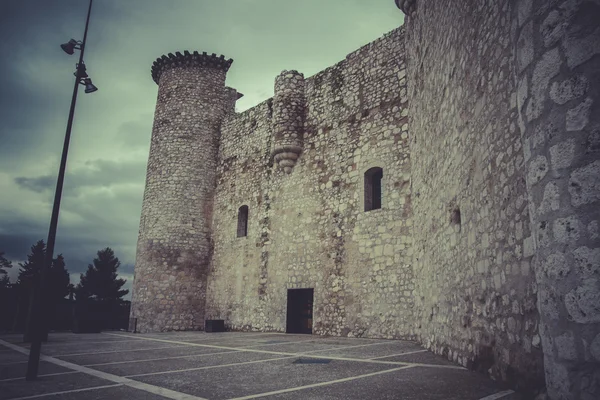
(208, 367)
(39, 376)
(117, 351)
(67, 392)
(83, 343)
(272, 344)
(347, 347)
(280, 353)
(201, 335)
(160, 359)
(254, 396)
(100, 352)
(399, 354)
(216, 353)
(499, 395)
(171, 394)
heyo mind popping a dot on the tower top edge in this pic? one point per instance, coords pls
(194, 59)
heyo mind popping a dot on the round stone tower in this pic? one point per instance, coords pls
(174, 245)
(288, 118)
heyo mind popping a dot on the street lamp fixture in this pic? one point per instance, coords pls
(81, 71)
(84, 79)
(37, 315)
(89, 86)
(71, 46)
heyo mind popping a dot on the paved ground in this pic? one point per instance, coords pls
(235, 365)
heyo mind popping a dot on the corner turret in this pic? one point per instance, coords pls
(175, 244)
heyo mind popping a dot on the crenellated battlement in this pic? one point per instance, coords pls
(175, 244)
(187, 59)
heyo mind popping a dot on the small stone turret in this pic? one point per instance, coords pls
(175, 244)
(408, 7)
(288, 119)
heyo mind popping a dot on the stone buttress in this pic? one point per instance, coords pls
(174, 244)
(288, 119)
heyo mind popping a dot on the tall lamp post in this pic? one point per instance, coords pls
(38, 323)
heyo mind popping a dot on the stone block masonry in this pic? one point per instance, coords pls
(483, 244)
(508, 92)
(475, 285)
(307, 226)
(175, 244)
(559, 119)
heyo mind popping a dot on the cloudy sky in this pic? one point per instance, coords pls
(106, 168)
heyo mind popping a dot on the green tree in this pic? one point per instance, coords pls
(34, 264)
(100, 281)
(4, 265)
(57, 278)
(56, 284)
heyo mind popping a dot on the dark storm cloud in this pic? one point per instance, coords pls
(97, 173)
(34, 74)
(110, 140)
(38, 184)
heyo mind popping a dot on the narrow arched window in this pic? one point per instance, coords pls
(242, 227)
(373, 178)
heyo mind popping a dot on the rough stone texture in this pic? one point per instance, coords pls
(487, 246)
(561, 117)
(475, 293)
(288, 119)
(307, 229)
(175, 245)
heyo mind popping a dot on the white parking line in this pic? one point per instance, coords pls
(83, 342)
(163, 358)
(221, 352)
(117, 351)
(207, 367)
(275, 344)
(305, 354)
(254, 396)
(39, 376)
(37, 396)
(346, 347)
(496, 396)
(171, 394)
(399, 354)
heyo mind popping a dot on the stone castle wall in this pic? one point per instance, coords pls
(475, 285)
(174, 244)
(486, 248)
(558, 73)
(308, 228)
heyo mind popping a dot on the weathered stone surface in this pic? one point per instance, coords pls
(584, 185)
(545, 69)
(463, 107)
(483, 117)
(578, 117)
(562, 154)
(595, 347)
(174, 245)
(569, 89)
(560, 125)
(308, 227)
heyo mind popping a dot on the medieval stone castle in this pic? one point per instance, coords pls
(440, 184)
